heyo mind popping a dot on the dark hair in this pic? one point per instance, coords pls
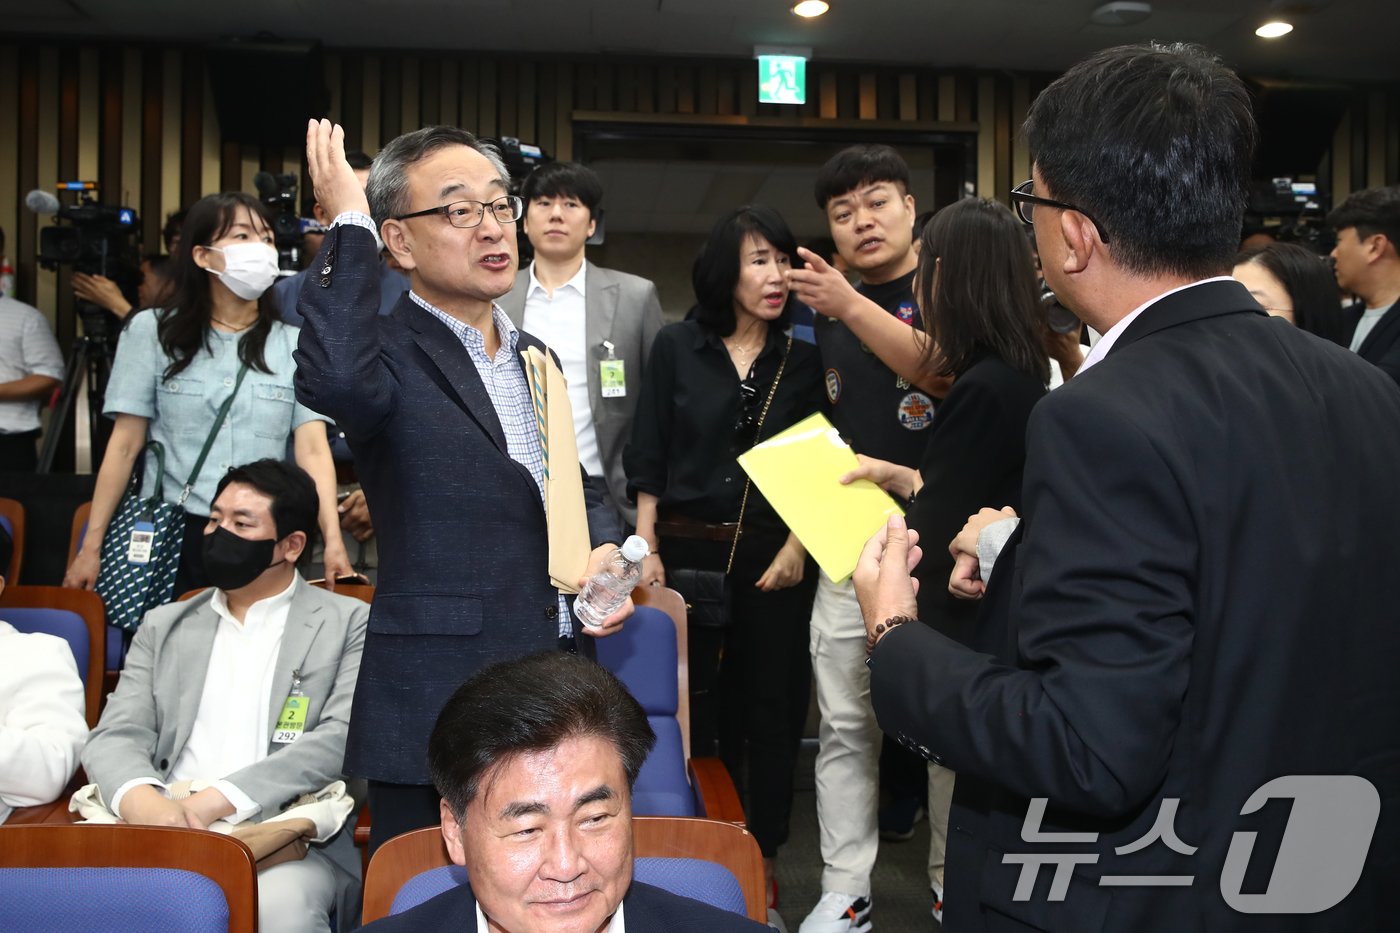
(1156, 143)
(528, 705)
(388, 175)
(564, 180)
(1309, 281)
(183, 327)
(358, 160)
(716, 271)
(860, 165)
(1370, 211)
(985, 299)
(921, 222)
(295, 504)
(174, 224)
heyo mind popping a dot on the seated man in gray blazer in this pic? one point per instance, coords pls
(600, 323)
(207, 680)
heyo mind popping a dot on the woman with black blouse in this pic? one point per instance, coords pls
(707, 385)
(976, 289)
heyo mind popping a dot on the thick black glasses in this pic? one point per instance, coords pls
(1024, 202)
(506, 210)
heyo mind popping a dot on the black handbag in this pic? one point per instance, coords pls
(709, 599)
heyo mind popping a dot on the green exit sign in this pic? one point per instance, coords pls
(782, 79)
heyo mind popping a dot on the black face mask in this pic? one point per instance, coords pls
(231, 562)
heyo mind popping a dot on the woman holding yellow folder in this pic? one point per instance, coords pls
(715, 386)
(976, 289)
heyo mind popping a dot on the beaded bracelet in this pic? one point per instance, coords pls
(881, 628)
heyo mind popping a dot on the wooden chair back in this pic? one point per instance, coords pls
(727, 844)
(222, 859)
(86, 604)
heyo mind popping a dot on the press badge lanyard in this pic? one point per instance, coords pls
(611, 374)
(291, 722)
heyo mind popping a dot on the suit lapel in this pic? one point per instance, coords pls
(193, 643)
(599, 310)
(304, 620)
(452, 368)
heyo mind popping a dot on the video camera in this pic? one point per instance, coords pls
(279, 195)
(98, 239)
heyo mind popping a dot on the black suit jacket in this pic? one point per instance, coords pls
(975, 455)
(463, 575)
(647, 910)
(1218, 611)
(1382, 344)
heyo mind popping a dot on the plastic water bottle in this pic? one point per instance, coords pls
(609, 588)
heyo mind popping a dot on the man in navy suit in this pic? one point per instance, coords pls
(434, 404)
(1181, 710)
(535, 760)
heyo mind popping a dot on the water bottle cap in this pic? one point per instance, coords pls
(635, 548)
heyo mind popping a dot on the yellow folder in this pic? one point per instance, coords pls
(564, 510)
(799, 471)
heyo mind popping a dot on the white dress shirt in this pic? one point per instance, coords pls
(230, 730)
(27, 348)
(616, 926)
(559, 321)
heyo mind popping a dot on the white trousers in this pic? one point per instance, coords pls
(848, 758)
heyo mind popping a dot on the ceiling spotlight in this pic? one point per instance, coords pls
(810, 8)
(1274, 30)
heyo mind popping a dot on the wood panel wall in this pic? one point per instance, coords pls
(141, 120)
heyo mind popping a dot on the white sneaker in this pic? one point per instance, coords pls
(838, 913)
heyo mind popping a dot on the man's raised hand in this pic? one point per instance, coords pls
(337, 189)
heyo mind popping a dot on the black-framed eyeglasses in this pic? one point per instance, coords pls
(506, 210)
(1024, 202)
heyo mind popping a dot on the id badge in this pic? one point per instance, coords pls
(291, 722)
(613, 378)
(142, 542)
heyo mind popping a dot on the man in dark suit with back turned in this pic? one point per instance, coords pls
(434, 403)
(1190, 641)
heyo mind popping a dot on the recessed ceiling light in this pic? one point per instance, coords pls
(1273, 30)
(810, 8)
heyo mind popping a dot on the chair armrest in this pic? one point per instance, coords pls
(715, 796)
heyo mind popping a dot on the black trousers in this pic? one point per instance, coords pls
(19, 453)
(750, 683)
(400, 808)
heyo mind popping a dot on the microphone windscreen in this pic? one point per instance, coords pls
(266, 184)
(41, 202)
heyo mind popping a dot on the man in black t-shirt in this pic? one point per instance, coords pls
(882, 395)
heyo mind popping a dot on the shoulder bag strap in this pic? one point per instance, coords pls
(758, 433)
(213, 432)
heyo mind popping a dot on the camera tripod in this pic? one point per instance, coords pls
(89, 364)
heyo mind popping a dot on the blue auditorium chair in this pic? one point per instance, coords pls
(77, 616)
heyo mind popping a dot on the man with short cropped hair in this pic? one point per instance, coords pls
(1367, 264)
(882, 392)
(535, 760)
(600, 323)
(1181, 710)
(207, 681)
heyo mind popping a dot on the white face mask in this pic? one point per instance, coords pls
(249, 269)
